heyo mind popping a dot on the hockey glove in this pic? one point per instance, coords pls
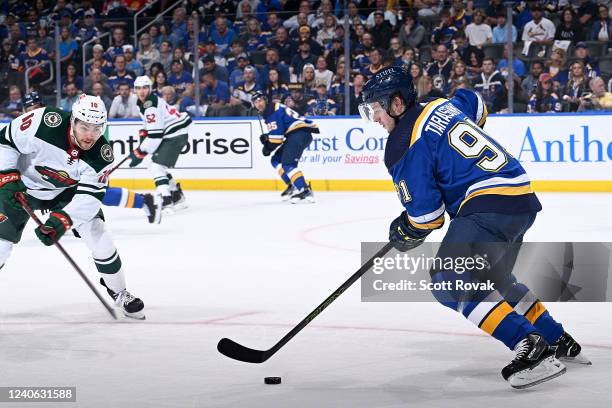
(267, 149)
(136, 157)
(264, 138)
(11, 184)
(404, 236)
(56, 226)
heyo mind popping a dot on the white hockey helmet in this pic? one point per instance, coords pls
(90, 109)
(142, 81)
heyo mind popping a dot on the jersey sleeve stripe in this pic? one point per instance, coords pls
(90, 186)
(437, 223)
(428, 217)
(98, 195)
(5, 137)
(181, 124)
(482, 112)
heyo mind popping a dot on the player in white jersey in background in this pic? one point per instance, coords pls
(166, 134)
(60, 161)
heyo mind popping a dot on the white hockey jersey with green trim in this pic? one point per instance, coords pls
(38, 144)
(161, 121)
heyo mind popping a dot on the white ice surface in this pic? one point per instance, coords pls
(248, 267)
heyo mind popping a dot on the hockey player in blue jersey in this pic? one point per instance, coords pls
(441, 160)
(289, 134)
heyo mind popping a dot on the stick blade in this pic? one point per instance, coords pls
(231, 349)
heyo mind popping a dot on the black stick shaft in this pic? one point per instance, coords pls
(118, 165)
(21, 198)
(364, 268)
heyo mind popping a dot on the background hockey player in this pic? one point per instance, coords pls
(113, 196)
(59, 160)
(166, 133)
(289, 134)
(442, 161)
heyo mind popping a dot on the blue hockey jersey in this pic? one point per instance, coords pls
(441, 160)
(282, 120)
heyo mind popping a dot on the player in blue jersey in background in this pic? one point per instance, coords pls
(289, 134)
(441, 160)
(113, 196)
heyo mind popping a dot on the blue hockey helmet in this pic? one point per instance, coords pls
(31, 99)
(378, 91)
(257, 95)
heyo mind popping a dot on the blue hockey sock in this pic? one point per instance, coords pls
(525, 303)
(122, 197)
(296, 176)
(281, 172)
(487, 310)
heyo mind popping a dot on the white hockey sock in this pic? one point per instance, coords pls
(164, 190)
(160, 176)
(114, 281)
(173, 186)
(105, 256)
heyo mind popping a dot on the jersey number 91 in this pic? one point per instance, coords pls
(471, 143)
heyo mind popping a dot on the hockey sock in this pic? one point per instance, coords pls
(487, 310)
(172, 182)
(296, 177)
(160, 176)
(281, 172)
(122, 197)
(104, 252)
(525, 303)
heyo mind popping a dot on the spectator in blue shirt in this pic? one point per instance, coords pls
(179, 78)
(68, 46)
(89, 29)
(121, 74)
(215, 93)
(502, 65)
(178, 29)
(500, 31)
(273, 61)
(222, 35)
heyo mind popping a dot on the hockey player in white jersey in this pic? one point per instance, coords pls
(60, 161)
(166, 132)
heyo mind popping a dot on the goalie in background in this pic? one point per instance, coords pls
(289, 134)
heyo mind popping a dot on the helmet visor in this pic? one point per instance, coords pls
(369, 111)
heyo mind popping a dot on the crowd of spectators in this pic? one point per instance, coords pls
(293, 50)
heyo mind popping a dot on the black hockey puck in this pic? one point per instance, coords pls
(272, 380)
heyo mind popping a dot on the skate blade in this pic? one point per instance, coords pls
(548, 369)
(180, 206)
(134, 316)
(309, 200)
(168, 211)
(579, 359)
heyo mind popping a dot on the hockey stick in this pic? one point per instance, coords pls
(231, 349)
(118, 165)
(23, 201)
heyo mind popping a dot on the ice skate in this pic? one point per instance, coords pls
(534, 363)
(153, 208)
(568, 349)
